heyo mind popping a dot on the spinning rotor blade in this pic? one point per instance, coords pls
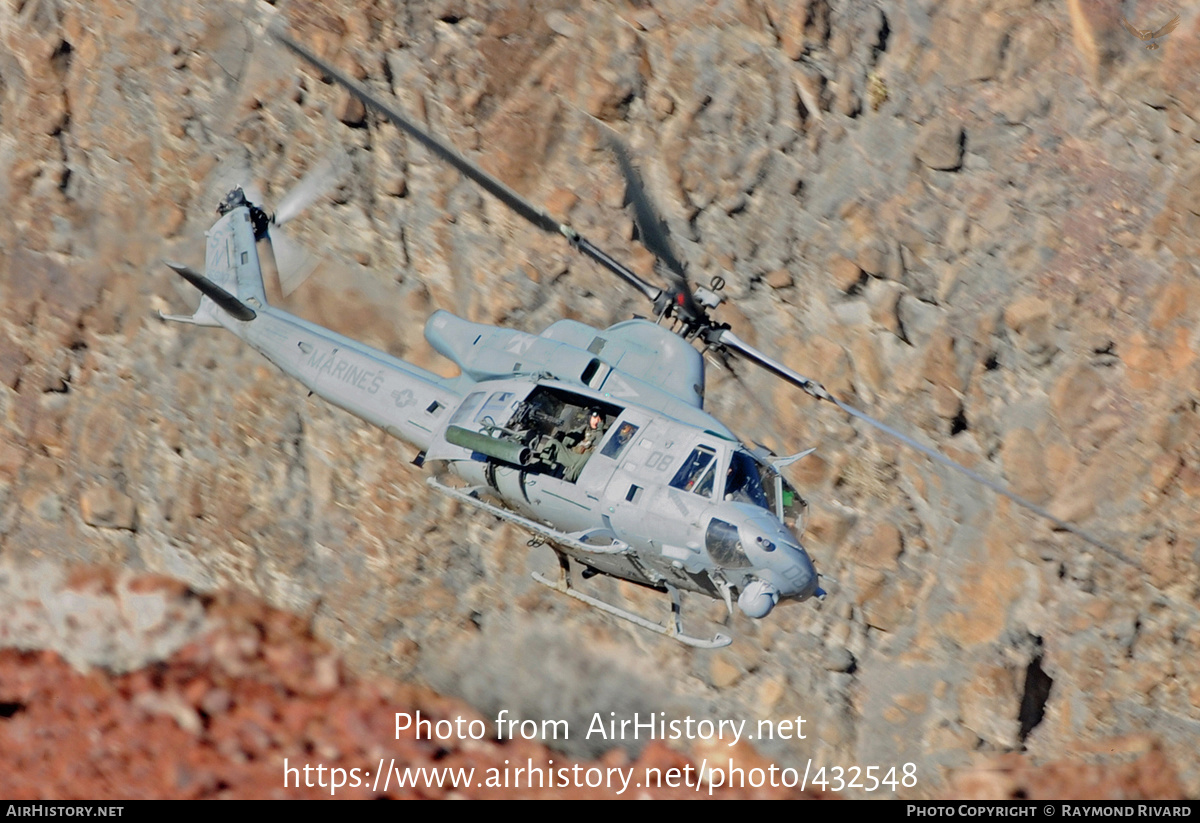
(317, 182)
(732, 341)
(293, 263)
(489, 183)
(652, 229)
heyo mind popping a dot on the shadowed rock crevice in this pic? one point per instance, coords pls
(1037, 692)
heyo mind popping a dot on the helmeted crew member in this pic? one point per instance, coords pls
(576, 447)
(593, 432)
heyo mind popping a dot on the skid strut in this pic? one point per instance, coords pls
(674, 630)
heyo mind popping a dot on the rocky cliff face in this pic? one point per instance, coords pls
(979, 219)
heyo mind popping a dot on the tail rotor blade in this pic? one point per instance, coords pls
(319, 181)
(254, 193)
(292, 262)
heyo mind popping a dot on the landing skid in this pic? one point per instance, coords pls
(584, 542)
(674, 630)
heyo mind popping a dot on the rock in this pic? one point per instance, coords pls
(989, 702)
(987, 49)
(941, 361)
(1094, 26)
(883, 296)
(350, 110)
(723, 672)
(12, 360)
(1024, 467)
(845, 273)
(1025, 312)
(873, 258)
(788, 17)
(560, 23)
(838, 659)
(880, 549)
(104, 507)
(779, 279)
(940, 144)
(1034, 40)
(1074, 394)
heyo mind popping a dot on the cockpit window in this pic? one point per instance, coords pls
(724, 544)
(696, 472)
(752, 482)
(745, 481)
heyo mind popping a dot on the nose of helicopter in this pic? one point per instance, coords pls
(802, 576)
(785, 563)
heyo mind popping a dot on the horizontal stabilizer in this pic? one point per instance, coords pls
(234, 307)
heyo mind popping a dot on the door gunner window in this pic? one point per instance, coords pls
(695, 475)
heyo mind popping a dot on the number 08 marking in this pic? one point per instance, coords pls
(658, 461)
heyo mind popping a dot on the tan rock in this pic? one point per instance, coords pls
(12, 360)
(987, 48)
(771, 691)
(829, 525)
(889, 607)
(873, 258)
(1079, 498)
(883, 296)
(941, 361)
(880, 549)
(947, 403)
(940, 144)
(788, 18)
(987, 700)
(845, 273)
(1024, 466)
(105, 507)
(868, 583)
(1074, 394)
(1026, 311)
(779, 279)
(1164, 469)
(867, 361)
(723, 671)
(1093, 24)
(350, 110)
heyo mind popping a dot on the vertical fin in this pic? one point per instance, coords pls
(231, 258)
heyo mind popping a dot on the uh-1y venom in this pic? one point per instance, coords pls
(596, 441)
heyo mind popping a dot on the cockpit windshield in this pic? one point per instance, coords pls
(744, 483)
(749, 481)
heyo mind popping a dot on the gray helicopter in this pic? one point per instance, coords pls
(595, 441)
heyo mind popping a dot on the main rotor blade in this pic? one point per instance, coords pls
(731, 340)
(499, 190)
(652, 229)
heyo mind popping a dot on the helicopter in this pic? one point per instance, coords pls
(595, 441)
